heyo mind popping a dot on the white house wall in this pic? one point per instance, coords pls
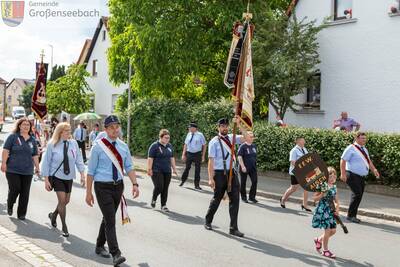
(100, 84)
(359, 69)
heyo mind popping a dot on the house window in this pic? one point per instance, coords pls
(343, 9)
(104, 35)
(9, 99)
(94, 70)
(313, 94)
(113, 102)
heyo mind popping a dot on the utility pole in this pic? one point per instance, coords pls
(128, 127)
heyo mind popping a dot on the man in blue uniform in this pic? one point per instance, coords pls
(108, 158)
(219, 154)
(194, 150)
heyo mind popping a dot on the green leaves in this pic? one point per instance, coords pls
(69, 93)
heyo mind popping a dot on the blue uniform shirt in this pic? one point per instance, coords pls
(215, 152)
(354, 161)
(161, 156)
(20, 154)
(54, 156)
(100, 165)
(294, 155)
(80, 134)
(195, 142)
(249, 155)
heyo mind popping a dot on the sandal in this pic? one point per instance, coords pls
(328, 254)
(318, 244)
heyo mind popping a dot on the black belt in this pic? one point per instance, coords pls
(111, 183)
(194, 152)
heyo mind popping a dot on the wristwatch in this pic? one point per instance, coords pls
(135, 184)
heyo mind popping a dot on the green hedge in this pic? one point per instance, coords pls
(274, 143)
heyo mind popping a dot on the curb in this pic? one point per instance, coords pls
(28, 251)
(270, 195)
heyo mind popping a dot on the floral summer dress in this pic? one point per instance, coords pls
(323, 215)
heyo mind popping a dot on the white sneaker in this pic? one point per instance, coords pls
(165, 209)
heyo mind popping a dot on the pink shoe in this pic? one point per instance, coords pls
(328, 254)
(318, 244)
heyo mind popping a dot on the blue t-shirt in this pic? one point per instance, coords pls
(249, 155)
(20, 159)
(161, 156)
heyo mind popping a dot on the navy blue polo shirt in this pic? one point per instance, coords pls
(21, 152)
(161, 157)
(249, 155)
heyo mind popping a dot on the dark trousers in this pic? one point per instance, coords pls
(82, 146)
(357, 185)
(161, 181)
(108, 197)
(190, 158)
(18, 185)
(253, 189)
(221, 186)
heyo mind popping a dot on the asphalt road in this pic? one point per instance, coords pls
(274, 236)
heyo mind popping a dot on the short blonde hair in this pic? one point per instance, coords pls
(58, 131)
(247, 133)
(331, 170)
(163, 132)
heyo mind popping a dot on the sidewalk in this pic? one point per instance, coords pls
(372, 205)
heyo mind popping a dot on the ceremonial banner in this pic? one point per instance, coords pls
(235, 53)
(39, 93)
(12, 12)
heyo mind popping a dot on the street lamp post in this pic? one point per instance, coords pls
(128, 130)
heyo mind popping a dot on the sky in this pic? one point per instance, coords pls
(21, 46)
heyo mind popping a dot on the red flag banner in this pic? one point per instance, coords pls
(39, 93)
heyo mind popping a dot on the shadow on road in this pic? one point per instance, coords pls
(384, 227)
(279, 209)
(182, 218)
(72, 245)
(281, 252)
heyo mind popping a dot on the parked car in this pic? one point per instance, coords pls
(18, 112)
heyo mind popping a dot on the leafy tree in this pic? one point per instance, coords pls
(25, 99)
(57, 72)
(70, 92)
(179, 48)
(285, 58)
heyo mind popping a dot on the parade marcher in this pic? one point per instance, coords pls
(354, 168)
(160, 161)
(19, 157)
(108, 159)
(194, 150)
(58, 169)
(53, 124)
(297, 152)
(344, 123)
(247, 156)
(324, 215)
(94, 133)
(219, 154)
(80, 136)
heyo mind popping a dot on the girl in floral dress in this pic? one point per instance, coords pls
(324, 215)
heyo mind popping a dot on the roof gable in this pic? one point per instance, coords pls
(103, 20)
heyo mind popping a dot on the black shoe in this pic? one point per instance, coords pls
(22, 218)
(182, 183)
(208, 226)
(153, 204)
(236, 232)
(10, 211)
(65, 231)
(52, 222)
(282, 204)
(198, 187)
(118, 259)
(306, 209)
(254, 200)
(245, 200)
(353, 219)
(101, 251)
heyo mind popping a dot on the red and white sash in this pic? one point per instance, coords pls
(226, 145)
(365, 157)
(113, 154)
